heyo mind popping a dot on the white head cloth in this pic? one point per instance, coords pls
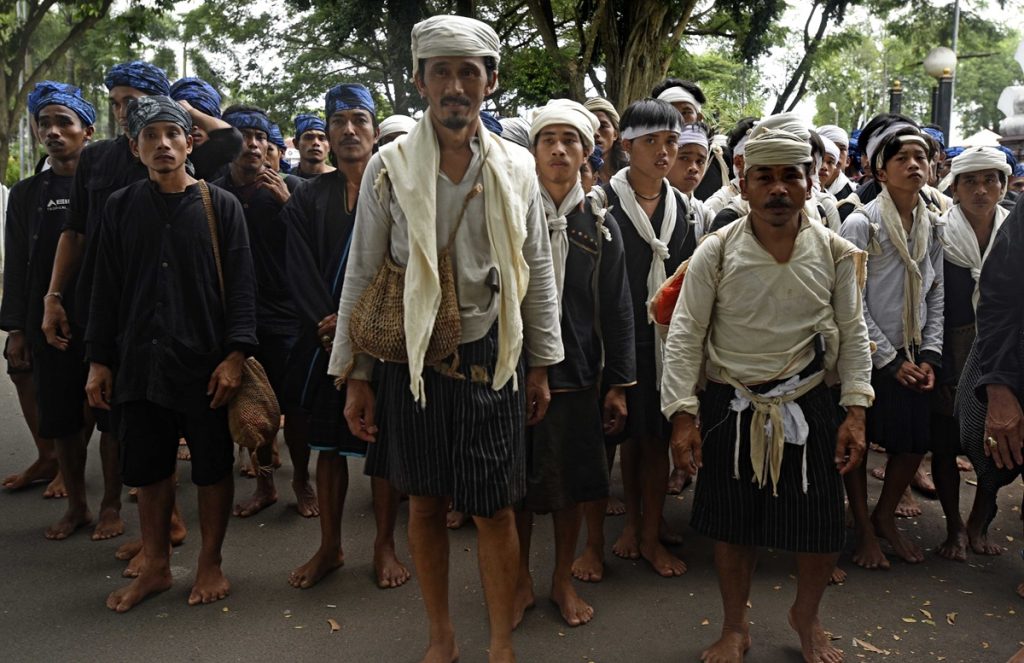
(836, 134)
(775, 147)
(516, 130)
(445, 35)
(973, 159)
(396, 124)
(677, 95)
(878, 138)
(830, 146)
(633, 133)
(789, 122)
(565, 111)
(692, 134)
(595, 104)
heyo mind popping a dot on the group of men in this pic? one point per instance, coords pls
(521, 259)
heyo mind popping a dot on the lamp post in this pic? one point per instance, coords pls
(835, 110)
(896, 97)
(940, 64)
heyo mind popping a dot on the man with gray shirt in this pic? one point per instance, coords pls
(460, 433)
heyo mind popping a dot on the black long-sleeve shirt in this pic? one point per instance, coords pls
(156, 307)
(597, 311)
(1001, 309)
(275, 312)
(37, 209)
(221, 147)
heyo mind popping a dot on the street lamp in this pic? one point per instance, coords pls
(896, 97)
(835, 109)
(940, 64)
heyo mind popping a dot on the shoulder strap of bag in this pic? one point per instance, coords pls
(211, 220)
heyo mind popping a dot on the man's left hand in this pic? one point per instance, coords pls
(614, 411)
(929, 374)
(226, 380)
(325, 330)
(538, 395)
(273, 183)
(850, 442)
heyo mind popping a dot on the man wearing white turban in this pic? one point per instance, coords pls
(766, 356)
(566, 464)
(461, 212)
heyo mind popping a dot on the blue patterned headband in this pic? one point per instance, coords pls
(306, 122)
(197, 92)
(347, 97)
(249, 120)
(48, 93)
(140, 75)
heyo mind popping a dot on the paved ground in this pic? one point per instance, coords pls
(51, 600)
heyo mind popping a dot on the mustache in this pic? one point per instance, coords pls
(462, 101)
(779, 203)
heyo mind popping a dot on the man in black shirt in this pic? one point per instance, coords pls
(313, 145)
(220, 142)
(49, 382)
(263, 193)
(176, 340)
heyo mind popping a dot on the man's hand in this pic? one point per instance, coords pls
(274, 183)
(99, 387)
(18, 357)
(360, 404)
(912, 376)
(615, 411)
(55, 323)
(685, 443)
(1004, 423)
(538, 395)
(850, 441)
(226, 380)
(325, 330)
(929, 376)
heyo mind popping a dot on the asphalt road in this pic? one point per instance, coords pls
(52, 595)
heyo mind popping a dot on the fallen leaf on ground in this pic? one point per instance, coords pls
(928, 621)
(951, 618)
(910, 620)
(705, 622)
(335, 626)
(867, 646)
(926, 613)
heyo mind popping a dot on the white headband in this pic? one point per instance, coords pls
(880, 137)
(830, 147)
(633, 133)
(565, 111)
(974, 159)
(676, 94)
(835, 133)
(741, 147)
(775, 147)
(395, 124)
(693, 135)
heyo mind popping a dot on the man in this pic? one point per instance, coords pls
(276, 147)
(835, 180)
(607, 137)
(658, 237)
(319, 219)
(688, 172)
(455, 438)
(566, 464)
(685, 96)
(1017, 179)
(216, 141)
(263, 193)
(970, 228)
(737, 144)
(313, 146)
(102, 169)
(770, 305)
(394, 127)
(903, 305)
(176, 340)
(49, 382)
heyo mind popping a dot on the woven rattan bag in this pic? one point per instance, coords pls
(254, 414)
(377, 325)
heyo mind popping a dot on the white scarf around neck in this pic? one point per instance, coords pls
(558, 229)
(913, 281)
(960, 243)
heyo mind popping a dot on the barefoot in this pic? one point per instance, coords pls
(135, 565)
(455, 519)
(885, 528)
(678, 480)
(305, 500)
(390, 572)
(1018, 657)
(124, 599)
(814, 642)
(261, 499)
(923, 484)
(868, 554)
(627, 546)
(109, 525)
(445, 651)
(981, 545)
(954, 547)
(133, 494)
(56, 489)
(589, 566)
(615, 507)
(128, 550)
(523, 601)
(729, 648)
(876, 448)
(668, 536)
(575, 611)
(963, 464)
(1020, 590)
(178, 529)
(318, 566)
(838, 576)
(908, 506)
(67, 525)
(183, 450)
(878, 472)
(38, 472)
(210, 585)
(665, 563)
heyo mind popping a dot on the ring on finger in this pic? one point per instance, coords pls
(992, 443)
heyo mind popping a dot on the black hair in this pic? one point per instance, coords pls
(649, 112)
(876, 124)
(892, 147)
(689, 86)
(737, 133)
(490, 66)
(242, 108)
(1002, 178)
(817, 146)
(703, 128)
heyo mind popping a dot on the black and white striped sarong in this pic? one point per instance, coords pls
(739, 512)
(467, 444)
